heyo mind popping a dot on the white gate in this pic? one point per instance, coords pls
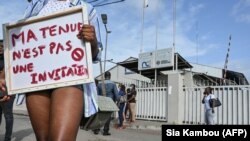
(235, 107)
(151, 103)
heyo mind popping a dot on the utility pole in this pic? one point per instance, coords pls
(174, 34)
(102, 77)
(226, 61)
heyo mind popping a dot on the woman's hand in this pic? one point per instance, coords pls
(88, 34)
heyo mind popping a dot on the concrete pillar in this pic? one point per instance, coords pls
(175, 99)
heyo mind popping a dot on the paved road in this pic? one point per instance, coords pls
(23, 132)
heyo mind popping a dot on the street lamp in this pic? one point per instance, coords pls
(105, 21)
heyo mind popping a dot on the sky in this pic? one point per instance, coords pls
(202, 30)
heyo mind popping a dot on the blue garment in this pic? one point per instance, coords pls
(120, 114)
(36, 6)
(90, 93)
(111, 90)
(121, 93)
(121, 109)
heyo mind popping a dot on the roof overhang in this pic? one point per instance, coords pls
(150, 73)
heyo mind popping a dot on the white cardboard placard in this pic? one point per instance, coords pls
(44, 52)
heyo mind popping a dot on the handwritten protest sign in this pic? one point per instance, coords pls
(44, 52)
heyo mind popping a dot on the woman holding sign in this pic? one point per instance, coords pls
(55, 114)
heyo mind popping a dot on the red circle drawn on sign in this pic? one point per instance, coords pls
(77, 54)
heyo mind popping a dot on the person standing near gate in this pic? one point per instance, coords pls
(209, 111)
(132, 103)
(121, 105)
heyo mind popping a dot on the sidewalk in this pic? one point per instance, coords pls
(142, 124)
(137, 125)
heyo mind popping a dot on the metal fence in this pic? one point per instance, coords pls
(151, 103)
(235, 108)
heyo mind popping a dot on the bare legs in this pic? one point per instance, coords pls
(38, 105)
(56, 116)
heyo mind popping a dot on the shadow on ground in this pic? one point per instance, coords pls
(19, 135)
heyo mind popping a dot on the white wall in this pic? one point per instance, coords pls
(211, 71)
(120, 75)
